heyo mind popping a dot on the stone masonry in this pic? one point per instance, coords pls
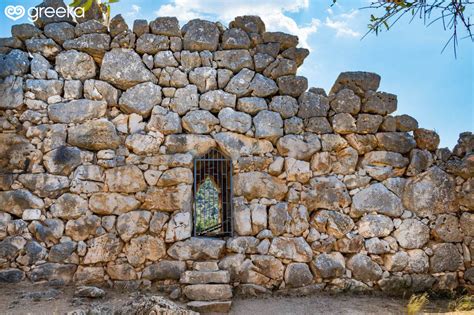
(100, 126)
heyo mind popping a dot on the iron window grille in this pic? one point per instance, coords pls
(213, 195)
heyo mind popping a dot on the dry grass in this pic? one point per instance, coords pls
(416, 303)
(462, 304)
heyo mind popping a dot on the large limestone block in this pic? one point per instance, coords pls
(133, 100)
(164, 270)
(200, 35)
(208, 292)
(168, 199)
(45, 185)
(69, 206)
(124, 68)
(431, 192)
(328, 266)
(76, 111)
(333, 223)
(236, 145)
(197, 249)
(104, 248)
(11, 92)
(357, 81)
(144, 248)
(188, 143)
(94, 44)
(293, 248)
(16, 201)
(412, 234)
(298, 147)
(364, 268)
(94, 135)
(75, 65)
(254, 185)
(326, 193)
(377, 198)
(125, 179)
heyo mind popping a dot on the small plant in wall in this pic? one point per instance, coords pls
(87, 4)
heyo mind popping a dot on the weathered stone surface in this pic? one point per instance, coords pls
(89, 27)
(359, 82)
(43, 89)
(208, 292)
(164, 121)
(249, 23)
(89, 292)
(126, 179)
(124, 69)
(83, 228)
(332, 222)
(144, 144)
(326, 193)
(243, 245)
(179, 227)
(53, 272)
(151, 44)
(94, 135)
(251, 105)
(431, 192)
(328, 266)
(11, 92)
(446, 228)
(426, 139)
(286, 106)
(103, 249)
(286, 40)
(197, 249)
(412, 234)
(295, 147)
(280, 67)
(279, 218)
(380, 103)
(363, 268)
(168, 198)
(185, 99)
(235, 38)
(200, 35)
(44, 46)
(395, 141)
(69, 206)
(132, 100)
(396, 262)
(203, 277)
(295, 249)
(446, 257)
(74, 65)
(215, 100)
(101, 91)
(167, 26)
(262, 86)
(11, 246)
(240, 83)
(143, 248)
(187, 143)
(95, 44)
(253, 185)
(164, 269)
(25, 31)
(268, 125)
(467, 223)
(14, 63)
(45, 185)
(235, 145)
(234, 60)
(292, 85)
(377, 198)
(199, 121)
(132, 223)
(384, 164)
(298, 275)
(234, 120)
(76, 111)
(16, 201)
(11, 275)
(210, 306)
(375, 225)
(63, 160)
(346, 101)
(312, 105)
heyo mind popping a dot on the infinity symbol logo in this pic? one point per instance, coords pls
(14, 12)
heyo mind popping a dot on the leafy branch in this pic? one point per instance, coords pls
(85, 5)
(453, 14)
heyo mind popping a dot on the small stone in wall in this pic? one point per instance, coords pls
(133, 223)
(94, 135)
(127, 179)
(377, 198)
(103, 249)
(200, 35)
(328, 266)
(412, 234)
(298, 275)
(132, 100)
(363, 268)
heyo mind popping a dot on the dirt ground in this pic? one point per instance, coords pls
(41, 299)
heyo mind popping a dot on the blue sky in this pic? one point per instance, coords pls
(435, 88)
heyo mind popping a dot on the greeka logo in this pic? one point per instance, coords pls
(14, 12)
(34, 13)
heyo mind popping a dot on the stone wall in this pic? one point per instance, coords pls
(99, 129)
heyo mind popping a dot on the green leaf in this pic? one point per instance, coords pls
(113, 1)
(87, 5)
(75, 3)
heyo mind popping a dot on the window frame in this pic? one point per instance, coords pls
(225, 164)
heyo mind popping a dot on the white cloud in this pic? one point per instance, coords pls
(135, 10)
(272, 13)
(341, 23)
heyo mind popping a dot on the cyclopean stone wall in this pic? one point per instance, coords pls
(99, 128)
